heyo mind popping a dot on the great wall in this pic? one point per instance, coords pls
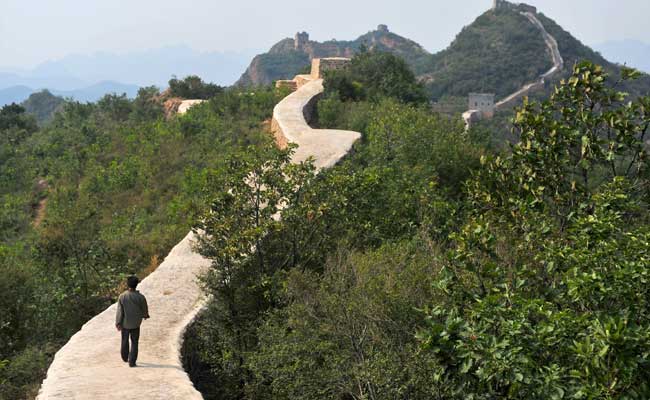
(89, 365)
(484, 106)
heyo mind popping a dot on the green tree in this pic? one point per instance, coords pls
(193, 87)
(372, 75)
(544, 292)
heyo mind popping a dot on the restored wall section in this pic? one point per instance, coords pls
(89, 365)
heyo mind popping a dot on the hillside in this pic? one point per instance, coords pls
(499, 52)
(290, 56)
(573, 50)
(43, 105)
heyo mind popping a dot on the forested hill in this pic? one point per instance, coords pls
(499, 52)
(290, 56)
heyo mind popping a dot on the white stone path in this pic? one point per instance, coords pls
(89, 365)
(558, 64)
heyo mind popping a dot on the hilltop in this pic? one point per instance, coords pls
(497, 53)
(290, 56)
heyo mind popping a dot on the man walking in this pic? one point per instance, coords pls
(131, 309)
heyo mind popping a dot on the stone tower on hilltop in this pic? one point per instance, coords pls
(521, 7)
(382, 28)
(300, 40)
(496, 4)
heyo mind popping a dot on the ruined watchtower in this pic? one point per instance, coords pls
(300, 40)
(382, 28)
(520, 7)
(482, 102)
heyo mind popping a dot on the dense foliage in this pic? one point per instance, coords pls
(310, 314)
(43, 105)
(372, 75)
(498, 53)
(193, 87)
(102, 191)
(412, 270)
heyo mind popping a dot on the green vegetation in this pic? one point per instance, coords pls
(269, 67)
(498, 53)
(43, 105)
(573, 51)
(428, 266)
(102, 191)
(431, 263)
(284, 61)
(193, 87)
(372, 75)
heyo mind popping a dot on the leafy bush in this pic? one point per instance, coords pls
(193, 87)
(544, 292)
(122, 185)
(372, 75)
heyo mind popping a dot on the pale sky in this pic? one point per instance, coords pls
(33, 31)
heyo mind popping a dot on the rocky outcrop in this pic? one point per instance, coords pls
(89, 365)
(289, 56)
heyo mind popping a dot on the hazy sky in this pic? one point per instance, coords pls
(32, 31)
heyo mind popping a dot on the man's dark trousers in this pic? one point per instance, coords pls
(131, 356)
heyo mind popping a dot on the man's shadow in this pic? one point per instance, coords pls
(158, 366)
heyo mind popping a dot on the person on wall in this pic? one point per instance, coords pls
(131, 310)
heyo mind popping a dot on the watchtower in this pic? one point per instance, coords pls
(382, 28)
(300, 40)
(483, 102)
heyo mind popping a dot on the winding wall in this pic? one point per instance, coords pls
(558, 63)
(89, 365)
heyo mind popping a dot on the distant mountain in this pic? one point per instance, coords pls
(89, 77)
(18, 94)
(98, 90)
(633, 53)
(143, 68)
(14, 94)
(499, 52)
(28, 78)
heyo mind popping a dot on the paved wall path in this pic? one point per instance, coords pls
(558, 63)
(89, 365)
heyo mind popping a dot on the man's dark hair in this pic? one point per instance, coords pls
(132, 281)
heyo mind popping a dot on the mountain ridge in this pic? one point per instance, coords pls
(499, 52)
